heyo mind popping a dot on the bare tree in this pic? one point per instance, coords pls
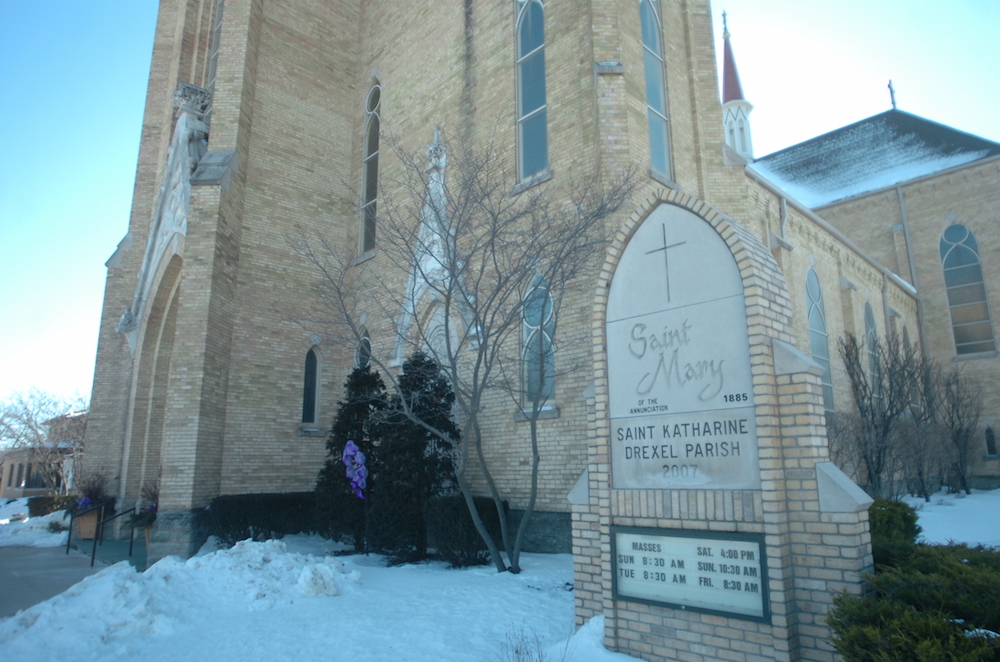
(881, 398)
(921, 439)
(50, 429)
(960, 413)
(461, 261)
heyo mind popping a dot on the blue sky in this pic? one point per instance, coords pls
(75, 73)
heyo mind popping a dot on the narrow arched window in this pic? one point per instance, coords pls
(871, 344)
(532, 126)
(991, 442)
(363, 350)
(963, 280)
(369, 168)
(538, 357)
(818, 340)
(656, 94)
(310, 387)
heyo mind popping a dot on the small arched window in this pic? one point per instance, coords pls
(871, 344)
(991, 442)
(369, 168)
(363, 350)
(818, 340)
(310, 387)
(656, 94)
(532, 124)
(963, 279)
(538, 356)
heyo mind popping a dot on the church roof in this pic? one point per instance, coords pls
(883, 150)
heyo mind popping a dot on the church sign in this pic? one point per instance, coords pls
(681, 390)
(698, 570)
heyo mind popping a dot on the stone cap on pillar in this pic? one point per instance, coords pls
(837, 492)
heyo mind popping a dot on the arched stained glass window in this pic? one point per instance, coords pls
(818, 340)
(369, 168)
(538, 356)
(532, 124)
(310, 387)
(656, 94)
(963, 279)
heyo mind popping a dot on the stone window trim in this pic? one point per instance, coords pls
(531, 182)
(547, 412)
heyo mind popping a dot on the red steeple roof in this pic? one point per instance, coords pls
(731, 88)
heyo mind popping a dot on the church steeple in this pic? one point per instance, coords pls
(735, 109)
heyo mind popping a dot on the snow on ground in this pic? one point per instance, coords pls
(291, 599)
(959, 518)
(16, 530)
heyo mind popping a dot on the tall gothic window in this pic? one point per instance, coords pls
(818, 340)
(538, 356)
(656, 96)
(369, 168)
(532, 128)
(963, 279)
(991, 442)
(310, 387)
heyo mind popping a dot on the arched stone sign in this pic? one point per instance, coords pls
(679, 377)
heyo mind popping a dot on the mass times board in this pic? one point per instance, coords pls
(702, 571)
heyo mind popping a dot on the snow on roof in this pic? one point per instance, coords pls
(883, 150)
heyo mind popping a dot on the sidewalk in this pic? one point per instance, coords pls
(29, 575)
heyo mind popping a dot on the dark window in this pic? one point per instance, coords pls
(991, 442)
(369, 169)
(310, 387)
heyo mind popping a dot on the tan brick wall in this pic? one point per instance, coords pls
(969, 195)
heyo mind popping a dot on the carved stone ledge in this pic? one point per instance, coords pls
(192, 99)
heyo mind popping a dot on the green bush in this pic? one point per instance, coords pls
(877, 630)
(450, 529)
(40, 506)
(934, 604)
(894, 531)
(236, 517)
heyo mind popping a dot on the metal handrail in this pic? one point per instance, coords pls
(99, 534)
(72, 518)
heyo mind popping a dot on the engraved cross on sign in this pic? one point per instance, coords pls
(666, 261)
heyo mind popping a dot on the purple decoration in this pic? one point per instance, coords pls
(83, 502)
(354, 460)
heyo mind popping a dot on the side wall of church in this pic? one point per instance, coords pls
(967, 195)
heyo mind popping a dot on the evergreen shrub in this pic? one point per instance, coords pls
(339, 512)
(939, 602)
(39, 506)
(894, 531)
(451, 532)
(409, 464)
(236, 517)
